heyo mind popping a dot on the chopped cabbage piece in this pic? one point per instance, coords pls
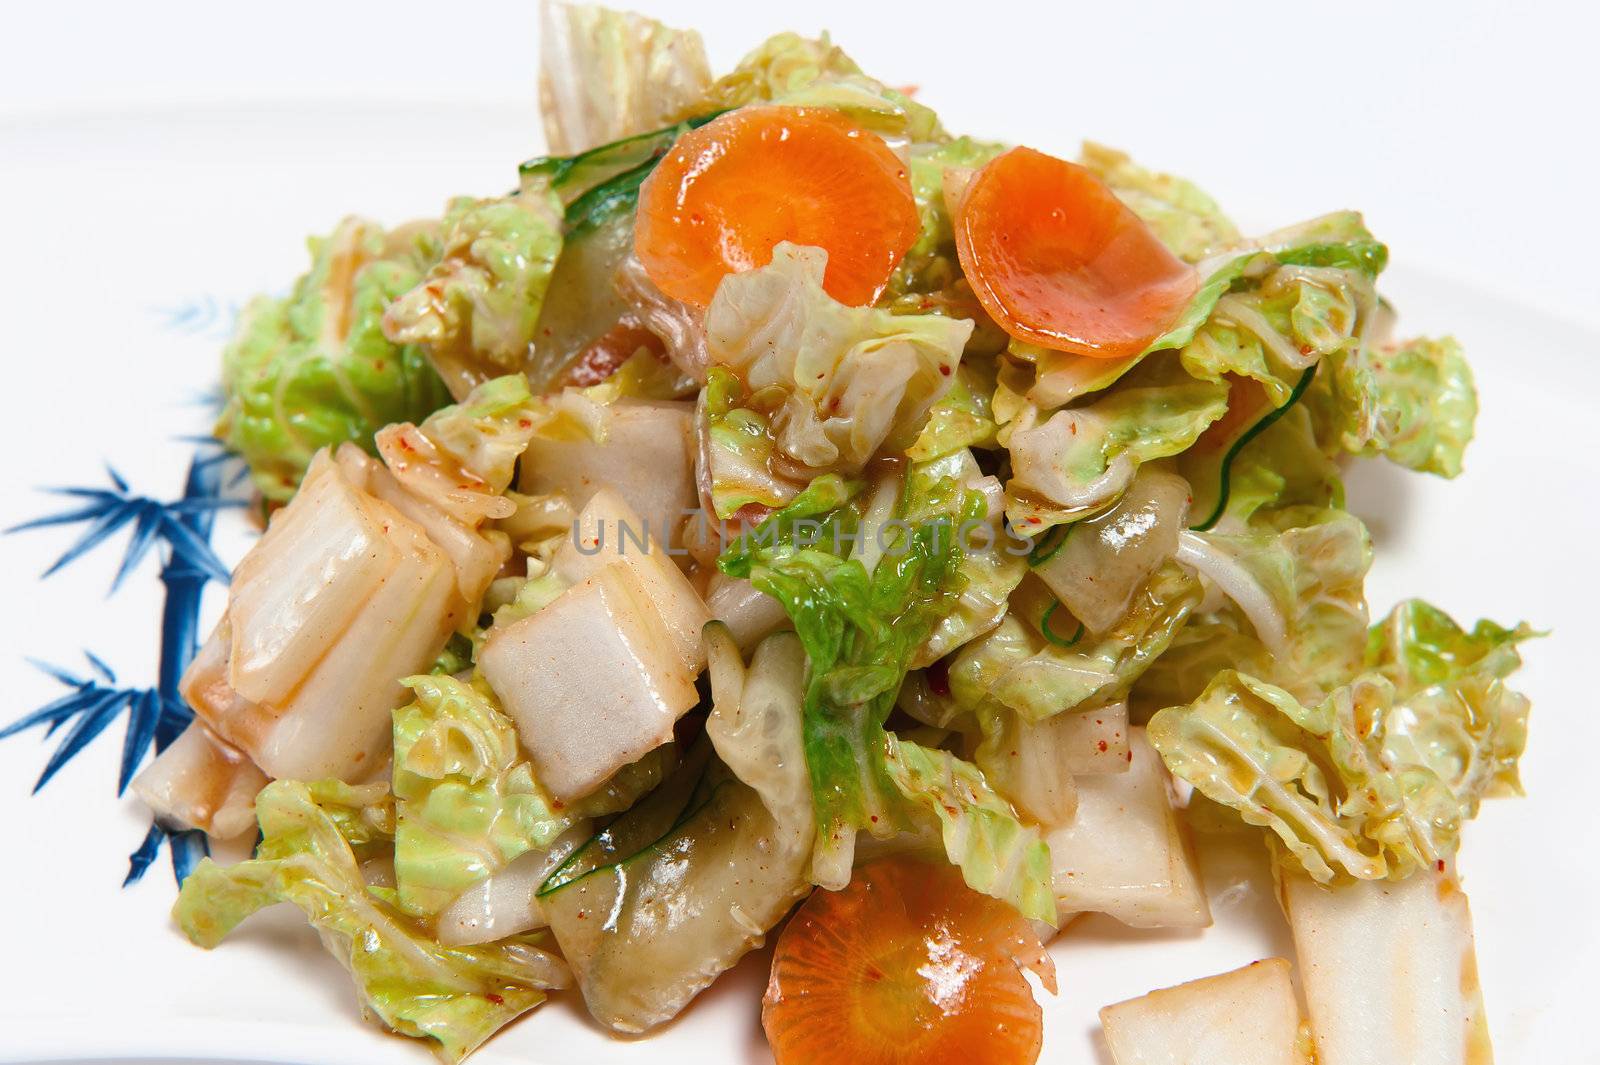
(682, 886)
(312, 369)
(455, 997)
(1249, 1016)
(199, 782)
(475, 310)
(824, 386)
(1370, 783)
(592, 680)
(358, 583)
(996, 853)
(1390, 971)
(1126, 853)
(605, 75)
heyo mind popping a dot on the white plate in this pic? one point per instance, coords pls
(118, 225)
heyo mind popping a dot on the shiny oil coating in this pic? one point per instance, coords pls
(1058, 260)
(730, 191)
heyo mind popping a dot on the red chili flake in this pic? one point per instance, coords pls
(945, 370)
(496, 999)
(1104, 747)
(525, 423)
(1440, 865)
(874, 818)
(1130, 756)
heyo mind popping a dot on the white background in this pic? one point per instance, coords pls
(153, 153)
(1465, 130)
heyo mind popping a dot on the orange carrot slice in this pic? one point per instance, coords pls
(1057, 260)
(730, 191)
(905, 966)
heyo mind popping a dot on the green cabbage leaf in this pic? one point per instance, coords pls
(821, 386)
(475, 310)
(466, 800)
(1375, 780)
(313, 369)
(997, 854)
(454, 997)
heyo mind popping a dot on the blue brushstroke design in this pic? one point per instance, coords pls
(203, 315)
(155, 716)
(110, 510)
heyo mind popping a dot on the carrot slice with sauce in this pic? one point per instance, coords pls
(730, 191)
(905, 966)
(1057, 260)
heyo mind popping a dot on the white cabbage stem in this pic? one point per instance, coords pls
(1238, 312)
(1224, 571)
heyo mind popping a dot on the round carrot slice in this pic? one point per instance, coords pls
(905, 966)
(730, 191)
(1057, 260)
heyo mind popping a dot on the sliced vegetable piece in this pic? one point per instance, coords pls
(1057, 260)
(751, 615)
(1098, 565)
(905, 965)
(1389, 970)
(200, 782)
(581, 304)
(1093, 740)
(506, 903)
(996, 853)
(732, 190)
(609, 531)
(1245, 1017)
(592, 680)
(341, 598)
(684, 884)
(1125, 853)
(642, 451)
